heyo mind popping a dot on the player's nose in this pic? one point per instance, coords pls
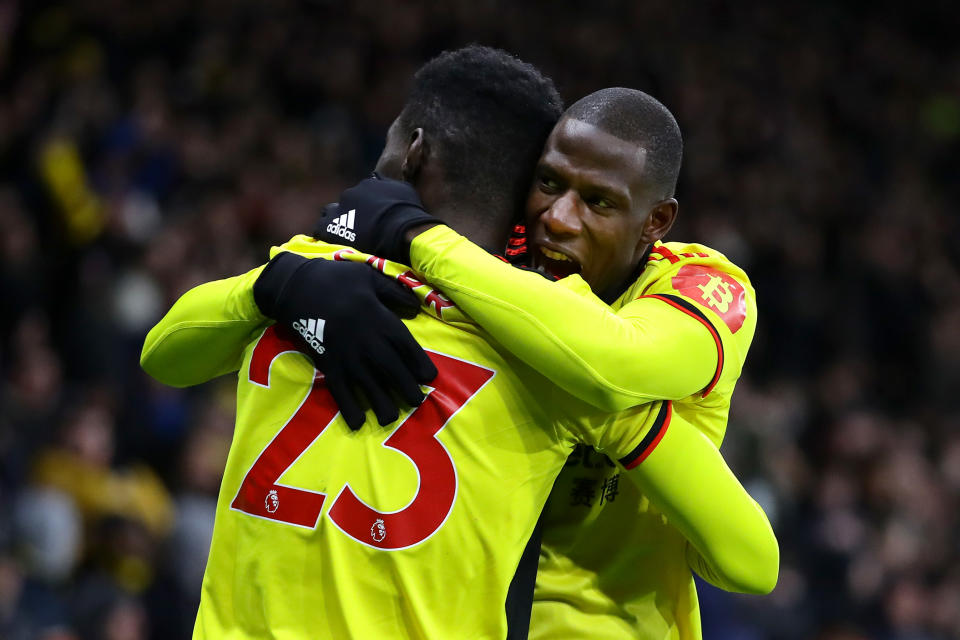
(562, 218)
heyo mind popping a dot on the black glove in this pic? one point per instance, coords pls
(338, 313)
(374, 216)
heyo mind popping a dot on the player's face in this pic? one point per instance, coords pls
(587, 207)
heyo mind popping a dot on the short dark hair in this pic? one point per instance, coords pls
(487, 115)
(641, 119)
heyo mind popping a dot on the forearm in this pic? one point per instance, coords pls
(571, 336)
(205, 332)
(732, 544)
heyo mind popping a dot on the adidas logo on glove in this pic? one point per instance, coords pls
(312, 331)
(343, 226)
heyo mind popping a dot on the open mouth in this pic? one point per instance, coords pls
(555, 263)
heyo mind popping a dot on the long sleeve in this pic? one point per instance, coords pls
(613, 360)
(204, 333)
(732, 545)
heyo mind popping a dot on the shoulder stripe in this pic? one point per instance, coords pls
(652, 439)
(663, 252)
(691, 310)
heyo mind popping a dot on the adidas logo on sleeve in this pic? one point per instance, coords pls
(342, 226)
(312, 332)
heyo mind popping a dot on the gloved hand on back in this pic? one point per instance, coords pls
(341, 315)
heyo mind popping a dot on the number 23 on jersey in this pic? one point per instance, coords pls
(261, 495)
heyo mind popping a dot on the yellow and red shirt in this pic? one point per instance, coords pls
(415, 530)
(286, 558)
(613, 565)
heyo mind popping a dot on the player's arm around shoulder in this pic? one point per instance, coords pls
(203, 335)
(684, 476)
(611, 359)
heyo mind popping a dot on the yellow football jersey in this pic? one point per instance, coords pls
(415, 530)
(216, 328)
(588, 584)
(612, 566)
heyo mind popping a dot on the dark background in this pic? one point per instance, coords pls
(147, 147)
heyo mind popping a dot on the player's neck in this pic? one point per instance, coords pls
(485, 223)
(476, 226)
(611, 296)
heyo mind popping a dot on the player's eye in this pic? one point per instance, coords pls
(548, 184)
(600, 203)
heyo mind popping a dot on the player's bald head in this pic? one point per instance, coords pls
(641, 119)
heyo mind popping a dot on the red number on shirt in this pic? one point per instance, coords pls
(261, 496)
(457, 382)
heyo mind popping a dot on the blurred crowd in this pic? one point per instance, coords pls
(146, 147)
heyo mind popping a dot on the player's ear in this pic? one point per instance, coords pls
(659, 220)
(415, 156)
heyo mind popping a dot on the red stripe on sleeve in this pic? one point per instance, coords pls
(653, 444)
(710, 328)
